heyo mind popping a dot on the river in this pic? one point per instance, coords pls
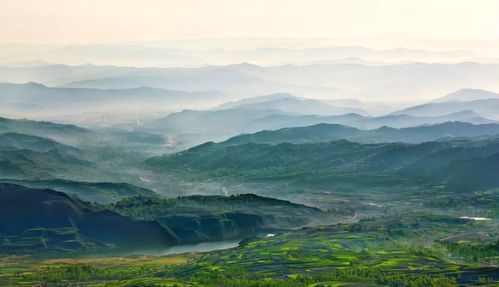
(177, 249)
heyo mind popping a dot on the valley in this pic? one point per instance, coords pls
(251, 162)
(320, 205)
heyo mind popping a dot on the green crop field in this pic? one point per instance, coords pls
(381, 252)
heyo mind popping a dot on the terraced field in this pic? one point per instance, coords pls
(403, 251)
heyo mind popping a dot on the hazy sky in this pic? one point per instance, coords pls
(97, 21)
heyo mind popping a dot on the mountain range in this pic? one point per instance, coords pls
(39, 100)
(326, 81)
(370, 83)
(329, 132)
(486, 108)
(287, 103)
(467, 95)
(64, 133)
(276, 111)
(318, 153)
(206, 52)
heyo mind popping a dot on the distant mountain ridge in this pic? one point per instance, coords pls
(253, 100)
(481, 102)
(328, 132)
(283, 110)
(328, 80)
(287, 103)
(486, 108)
(38, 99)
(467, 95)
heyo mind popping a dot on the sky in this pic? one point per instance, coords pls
(113, 21)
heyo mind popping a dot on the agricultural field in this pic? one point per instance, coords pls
(415, 250)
